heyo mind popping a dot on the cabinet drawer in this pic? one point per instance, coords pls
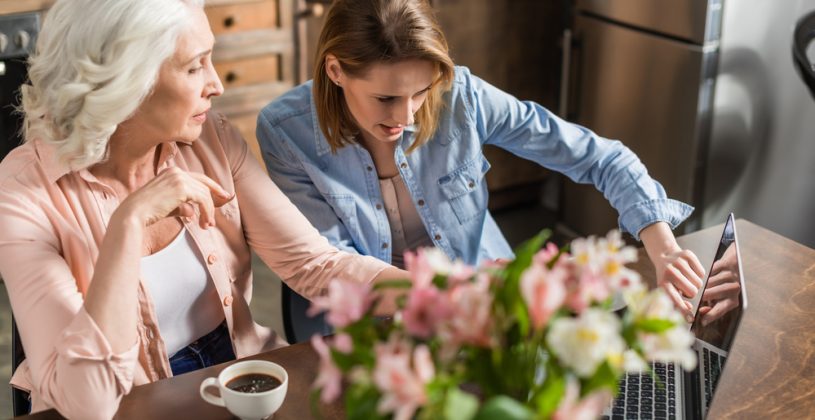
(234, 18)
(247, 71)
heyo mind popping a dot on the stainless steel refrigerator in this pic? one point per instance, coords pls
(642, 72)
(707, 94)
(761, 162)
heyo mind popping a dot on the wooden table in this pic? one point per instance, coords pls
(770, 372)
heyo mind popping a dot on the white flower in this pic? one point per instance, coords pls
(671, 345)
(440, 264)
(583, 343)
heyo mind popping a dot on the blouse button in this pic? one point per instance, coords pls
(384, 245)
(379, 206)
(421, 202)
(437, 237)
(369, 168)
(403, 165)
(212, 258)
(471, 184)
(228, 300)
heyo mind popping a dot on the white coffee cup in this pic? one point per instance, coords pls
(246, 405)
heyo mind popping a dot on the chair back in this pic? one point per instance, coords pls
(297, 325)
(20, 400)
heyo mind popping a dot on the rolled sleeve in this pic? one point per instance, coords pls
(637, 217)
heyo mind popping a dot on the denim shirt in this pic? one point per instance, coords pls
(339, 193)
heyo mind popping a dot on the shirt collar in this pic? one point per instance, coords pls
(55, 168)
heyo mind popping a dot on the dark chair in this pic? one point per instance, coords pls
(20, 400)
(299, 326)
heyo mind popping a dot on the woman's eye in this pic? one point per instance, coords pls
(386, 99)
(424, 92)
(195, 70)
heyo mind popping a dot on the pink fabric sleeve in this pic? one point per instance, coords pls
(283, 238)
(71, 365)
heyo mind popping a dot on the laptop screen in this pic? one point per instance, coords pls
(718, 313)
(723, 299)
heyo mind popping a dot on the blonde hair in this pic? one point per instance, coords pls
(361, 33)
(95, 62)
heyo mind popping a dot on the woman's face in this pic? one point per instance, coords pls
(176, 110)
(385, 100)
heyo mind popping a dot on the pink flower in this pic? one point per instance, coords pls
(543, 291)
(343, 343)
(589, 408)
(346, 303)
(402, 386)
(417, 264)
(546, 254)
(471, 318)
(329, 377)
(425, 308)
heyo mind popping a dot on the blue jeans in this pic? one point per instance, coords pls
(211, 349)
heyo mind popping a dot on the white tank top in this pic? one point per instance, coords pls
(185, 299)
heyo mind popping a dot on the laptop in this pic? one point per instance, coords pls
(672, 393)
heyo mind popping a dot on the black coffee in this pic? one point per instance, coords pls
(253, 383)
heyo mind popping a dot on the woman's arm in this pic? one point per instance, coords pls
(283, 238)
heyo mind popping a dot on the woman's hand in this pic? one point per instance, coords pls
(678, 271)
(175, 192)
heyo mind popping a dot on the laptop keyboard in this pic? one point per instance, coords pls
(712, 364)
(643, 396)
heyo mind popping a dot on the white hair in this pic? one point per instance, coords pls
(95, 62)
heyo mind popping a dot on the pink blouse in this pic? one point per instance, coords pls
(52, 222)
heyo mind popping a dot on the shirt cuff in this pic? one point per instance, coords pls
(643, 214)
(82, 340)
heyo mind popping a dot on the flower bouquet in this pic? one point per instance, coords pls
(531, 338)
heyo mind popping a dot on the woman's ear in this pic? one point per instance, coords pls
(333, 69)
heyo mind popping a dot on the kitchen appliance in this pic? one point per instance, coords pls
(764, 113)
(642, 72)
(18, 35)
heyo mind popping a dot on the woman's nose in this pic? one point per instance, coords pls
(214, 87)
(404, 113)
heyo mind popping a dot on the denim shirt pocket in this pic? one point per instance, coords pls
(466, 190)
(345, 208)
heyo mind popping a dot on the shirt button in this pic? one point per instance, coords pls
(228, 300)
(379, 206)
(437, 237)
(421, 202)
(369, 168)
(384, 245)
(212, 258)
(471, 184)
(403, 165)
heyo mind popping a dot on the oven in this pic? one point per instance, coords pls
(18, 35)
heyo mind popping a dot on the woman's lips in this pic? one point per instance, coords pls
(200, 117)
(392, 130)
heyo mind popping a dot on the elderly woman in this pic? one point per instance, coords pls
(127, 217)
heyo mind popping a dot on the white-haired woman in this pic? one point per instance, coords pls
(127, 217)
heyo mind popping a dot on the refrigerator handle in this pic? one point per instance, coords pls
(565, 76)
(569, 70)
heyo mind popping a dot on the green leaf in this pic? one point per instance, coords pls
(604, 377)
(393, 284)
(460, 405)
(654, 325)
(504, 408)
(554, 388)
(360, 403)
